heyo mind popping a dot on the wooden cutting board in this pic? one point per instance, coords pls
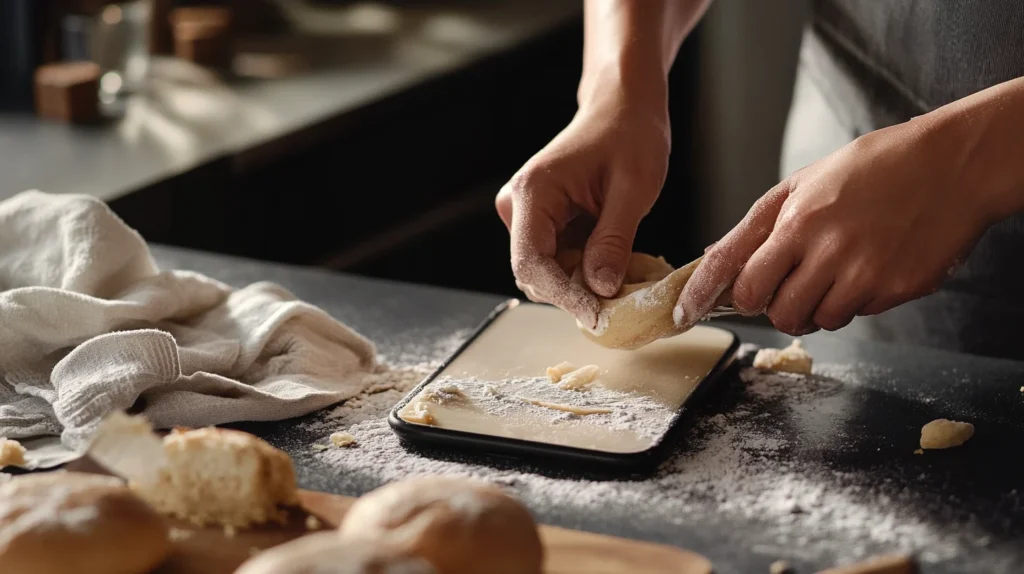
(212, 551)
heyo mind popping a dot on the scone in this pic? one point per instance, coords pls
(460, 526)
(220, 476)
(77, 523)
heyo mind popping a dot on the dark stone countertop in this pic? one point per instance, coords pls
(856, 430)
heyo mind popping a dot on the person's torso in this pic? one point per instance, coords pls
(875, 64)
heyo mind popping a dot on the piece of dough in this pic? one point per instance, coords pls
(641, 311)
(576, 410)
(579, 379)
(327, 553)
(418, 409)
(792, 359)
(11, 453)
(342, 439)
(460, 526)
(944, 433)
(556, 373)
(221, 476)
(77, 523)
(779, 567)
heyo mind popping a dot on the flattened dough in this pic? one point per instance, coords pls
(944, 433)
(576, 410)
(641, 311)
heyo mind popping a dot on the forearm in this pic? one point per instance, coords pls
(986, 130)
(629, 46)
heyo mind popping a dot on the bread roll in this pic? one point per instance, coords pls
(76, 523)
(327, 553)
(460, 526)
(220, 476)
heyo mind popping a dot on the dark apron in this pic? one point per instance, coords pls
(865, 65)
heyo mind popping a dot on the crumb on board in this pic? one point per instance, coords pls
(319, 447)
(342, 439)
(779, 567)
(919, 451)
(229, 531)
(179, 534)
(312, 523)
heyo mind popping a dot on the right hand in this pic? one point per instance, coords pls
(609, 163)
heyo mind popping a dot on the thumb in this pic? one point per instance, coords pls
(611, 243)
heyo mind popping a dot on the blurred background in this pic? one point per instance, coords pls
(367, 137)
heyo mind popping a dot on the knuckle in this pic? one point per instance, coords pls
(745, 296)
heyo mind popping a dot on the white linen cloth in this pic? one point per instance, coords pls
(89, 325)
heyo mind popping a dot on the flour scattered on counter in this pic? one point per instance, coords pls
(737, 468)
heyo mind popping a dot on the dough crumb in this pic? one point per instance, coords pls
(944, 433)
(179, 534)
(779, 567)
(792, 359)
(556, 373)
(446, 395)
(342, 439)
(579, 379)
(229, 531)
(1022, 389)
(11, 453)
(919, 451)
(418, 412)
(319, 447)
(576, 410)
(312, 523)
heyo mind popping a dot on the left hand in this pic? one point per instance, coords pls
(882, 221)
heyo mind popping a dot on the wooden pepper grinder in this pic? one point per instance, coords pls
(202, 35)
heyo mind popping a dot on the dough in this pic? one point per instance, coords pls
(341, 439)
(11, 453)
(458, 525)
(418, 409)
(944, 433)
(792, 359)
(779, 567)
(220, 476)
(327, 553)
(641, 311)
(556, 373)
(77, 523)
(576, 410)
(579, 379)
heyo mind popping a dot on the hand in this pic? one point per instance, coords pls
(882, 221)
(609, 163)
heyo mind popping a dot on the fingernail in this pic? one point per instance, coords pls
(679, 316)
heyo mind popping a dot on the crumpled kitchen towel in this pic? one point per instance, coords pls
(89, 325)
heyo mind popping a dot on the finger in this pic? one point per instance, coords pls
(503, 203)
(533, 250)
(850, 292)
(607, 252)
(762, 275)
(793, 305)
(723, 262)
